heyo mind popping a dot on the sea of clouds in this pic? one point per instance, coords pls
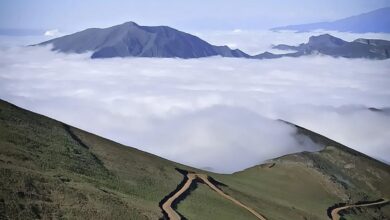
(213, 113)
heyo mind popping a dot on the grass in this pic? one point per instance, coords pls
(203, 203)
(45, 172)
(303, 185)
(280, 193)
(51, 170)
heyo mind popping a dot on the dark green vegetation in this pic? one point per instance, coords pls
(51, 170)
(364, 213)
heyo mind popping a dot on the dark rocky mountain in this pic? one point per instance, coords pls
(132, 40)
(329, 45)
(374, 21)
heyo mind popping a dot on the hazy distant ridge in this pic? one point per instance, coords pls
(377, 21)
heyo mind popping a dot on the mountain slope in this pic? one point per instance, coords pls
(374, 21)
(46, 170)
(132, 40)
(303, 185)
(332, 46)
(51, 170)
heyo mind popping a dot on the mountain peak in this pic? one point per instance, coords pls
(325, 40)
(129, 24)
(132, 40)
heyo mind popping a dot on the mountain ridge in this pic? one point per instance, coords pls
(327, 44)
(377, 21)
(132, 40)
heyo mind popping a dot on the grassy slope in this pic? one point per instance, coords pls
(205, 204)
(147, 177)
(45, 172)
(303, 185)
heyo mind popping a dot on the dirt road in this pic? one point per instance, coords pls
(335, 212)
(173, 215)
(167, 205)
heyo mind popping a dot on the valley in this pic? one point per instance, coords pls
(48, 171)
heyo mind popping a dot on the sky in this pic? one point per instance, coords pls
(73, 15)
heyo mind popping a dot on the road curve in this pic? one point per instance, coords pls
(167, 205)
(173, 215)
(335, 212)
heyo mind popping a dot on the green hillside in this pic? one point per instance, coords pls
(51, 170)
(304, 185)
(46, 172)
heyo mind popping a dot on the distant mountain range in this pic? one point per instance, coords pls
(374, 21)
(332, 46)
(132, 40)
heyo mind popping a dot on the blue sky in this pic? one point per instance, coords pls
(72, 15)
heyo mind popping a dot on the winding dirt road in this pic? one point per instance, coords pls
(335, 212)
(173, 215)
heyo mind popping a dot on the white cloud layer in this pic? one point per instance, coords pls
(214, 113)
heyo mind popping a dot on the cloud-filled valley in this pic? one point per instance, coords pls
(199, 110)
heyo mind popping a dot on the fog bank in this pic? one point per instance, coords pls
(215, 113)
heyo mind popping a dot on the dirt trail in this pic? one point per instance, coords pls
(335, 212)
(173, 215)
(167, 205)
